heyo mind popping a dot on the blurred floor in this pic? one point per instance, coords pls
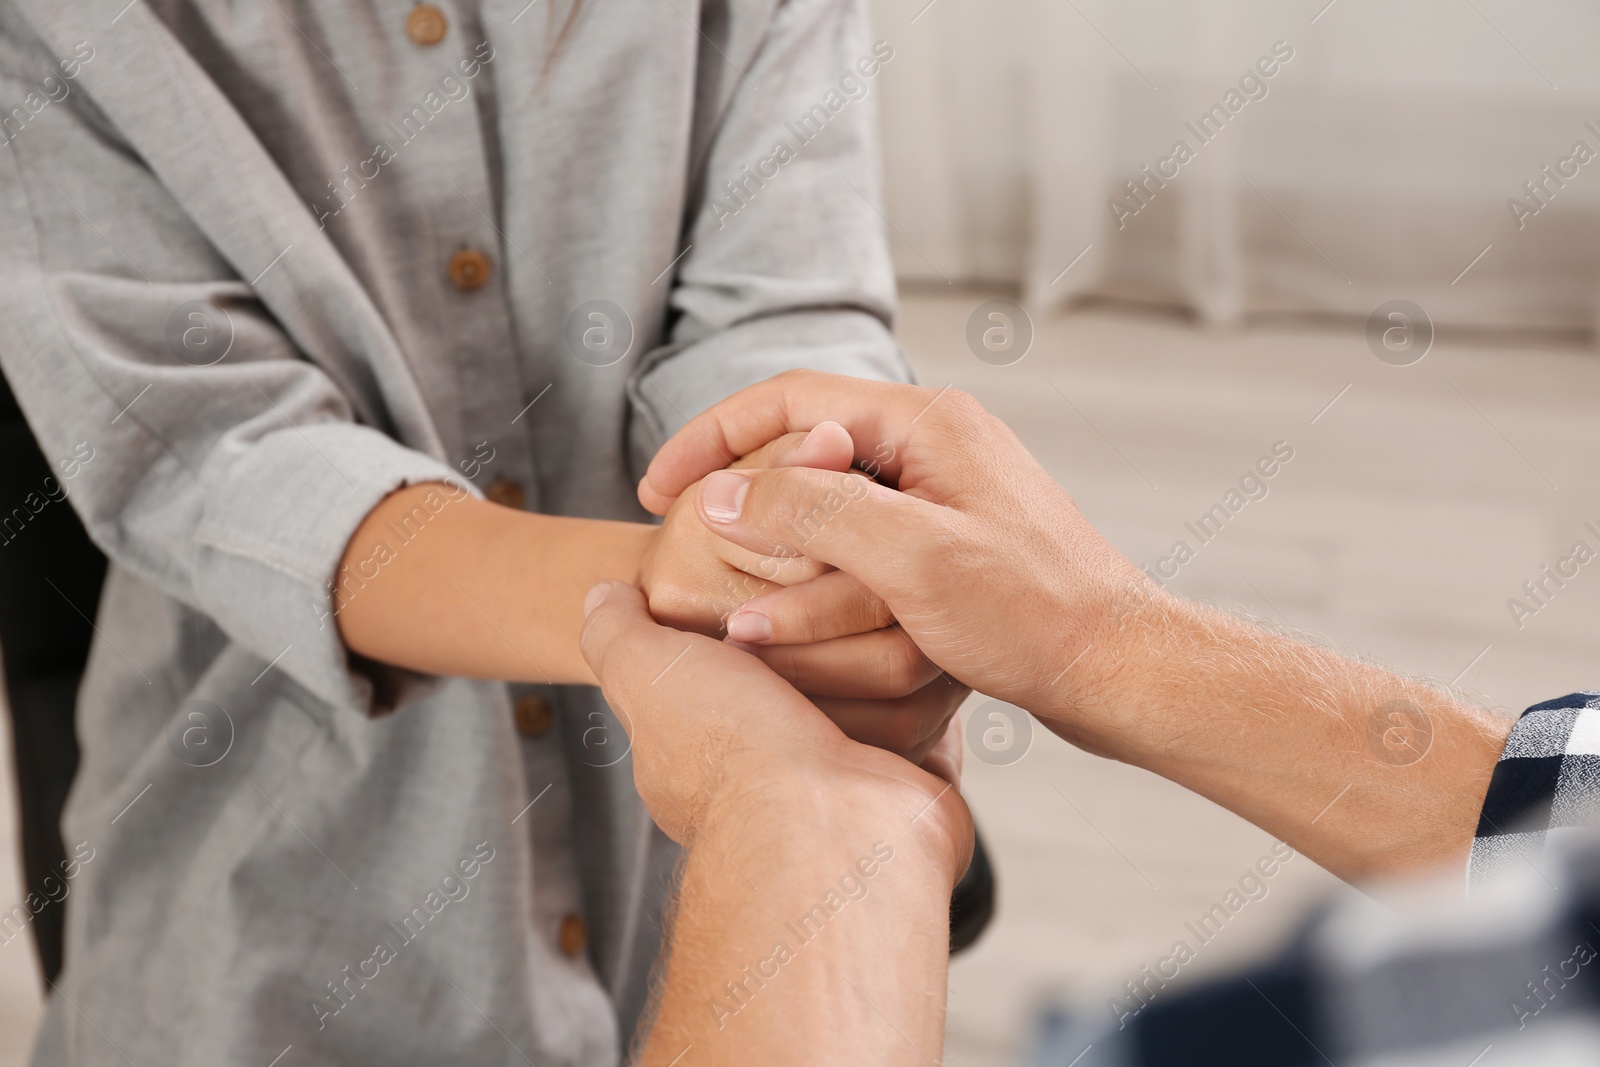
(1414, 507)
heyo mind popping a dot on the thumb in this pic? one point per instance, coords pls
(882, 537)
(625, 646)
(827, 446)
(651, 672)
(683, 699)
(618, 636)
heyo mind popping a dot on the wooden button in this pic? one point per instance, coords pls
(533, 715)
(506, 494)
(426, 25)
(574, 936)
(469, 269)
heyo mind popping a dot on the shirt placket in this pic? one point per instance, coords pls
(440, 143)
(473, 331)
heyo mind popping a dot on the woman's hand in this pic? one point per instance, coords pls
(836, 644)
(694, 579)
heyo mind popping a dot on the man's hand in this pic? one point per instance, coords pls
(980, 556)
(810, 859)
(713, 726)
(865, 673)
(991, 569)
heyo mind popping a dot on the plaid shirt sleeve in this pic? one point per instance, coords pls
(1547, 784)
(1413, 982)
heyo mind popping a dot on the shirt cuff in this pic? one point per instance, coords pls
(1547, 780)
(674, 384)
(276, 521)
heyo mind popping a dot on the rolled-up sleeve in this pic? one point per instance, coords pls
(786, 263)
(1545, 786)
(206, 455)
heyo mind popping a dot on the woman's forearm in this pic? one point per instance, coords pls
(439, 582)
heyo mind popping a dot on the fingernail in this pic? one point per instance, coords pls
(819, 427)
(722, 495)
(596, 595)
(750, 626)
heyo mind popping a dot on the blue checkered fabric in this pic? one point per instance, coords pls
(1547, 784)
(1507, 977)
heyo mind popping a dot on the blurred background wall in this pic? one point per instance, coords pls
(1378, 163)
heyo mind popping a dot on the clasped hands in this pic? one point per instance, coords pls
(986, 565)
(824, 669)
(829, 636)
(988, 568)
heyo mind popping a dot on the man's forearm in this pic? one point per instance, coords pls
(1362, 770)
(440, 582)
(812, 926)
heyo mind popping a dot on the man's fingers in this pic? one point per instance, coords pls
(834, 605)
(620, 641)
(944, 758)
(690, 704)
(911, 726)
(846, 521)
(881, 665)
(645, 668)
(876, 415)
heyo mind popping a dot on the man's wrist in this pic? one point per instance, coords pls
(799, 880)
(1109, 698)
(766, 804)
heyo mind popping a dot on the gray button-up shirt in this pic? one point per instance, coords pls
(226, 244)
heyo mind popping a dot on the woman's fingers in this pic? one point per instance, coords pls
(687, 602)
(833, 605)
(773, 571)
(883, 537)
(707, 596)
(827, 446)
(880, 665)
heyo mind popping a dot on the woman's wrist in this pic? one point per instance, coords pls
(481, 591)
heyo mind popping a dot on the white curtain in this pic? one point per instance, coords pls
(1380, 163)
